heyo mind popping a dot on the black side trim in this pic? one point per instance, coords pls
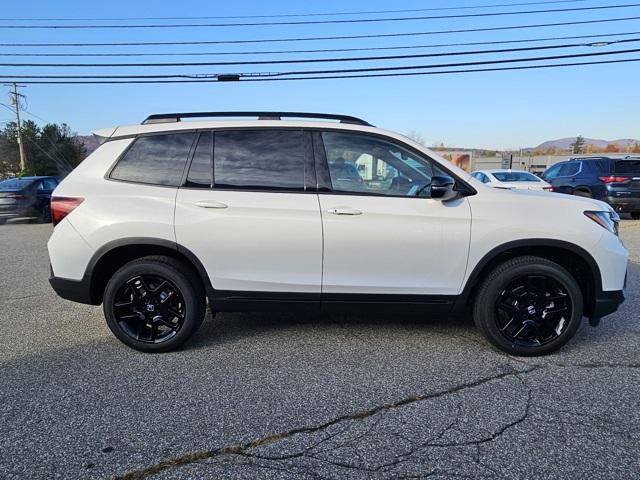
(84, 287)
(607, 303)
(478, 270)
(236, 301)
(247, 301)
(534, 242)
(74, 290)
(382, 303)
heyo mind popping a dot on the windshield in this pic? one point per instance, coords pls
(628, 166)
(14, 183)
(515, 177)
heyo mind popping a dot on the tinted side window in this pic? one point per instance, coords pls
(259, 159)
(552, 172)
(49, 184)
(157, 159)
(201, 169)
(365, 164)
(569, 169)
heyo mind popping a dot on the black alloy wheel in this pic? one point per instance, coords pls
(154, 304)
(149, 308)
(533, 310)
(528, 306)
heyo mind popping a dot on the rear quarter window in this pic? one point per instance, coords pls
(155, 159)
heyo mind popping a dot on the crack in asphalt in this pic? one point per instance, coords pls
(243, 450)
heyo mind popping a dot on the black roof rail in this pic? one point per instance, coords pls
(176, 117)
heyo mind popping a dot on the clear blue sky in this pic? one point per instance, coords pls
(486, 110)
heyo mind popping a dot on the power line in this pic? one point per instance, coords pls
(443, 72)
(315, 60)
(461, 64)
(307, 39)
(217, 76)
(323, 50)
(370, 12)
(322, 22)
(331, 77)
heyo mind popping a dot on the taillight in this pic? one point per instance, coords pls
(63, 206)
(548, 189)
(614, 179)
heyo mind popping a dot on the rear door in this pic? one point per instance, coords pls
(567, 177)
(252, 217)
(383, 234)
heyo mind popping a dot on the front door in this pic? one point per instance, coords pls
(383, 234)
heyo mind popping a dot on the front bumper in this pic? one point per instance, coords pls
(623, 203)
(606, 303)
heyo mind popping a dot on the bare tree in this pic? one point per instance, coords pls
(417, 137)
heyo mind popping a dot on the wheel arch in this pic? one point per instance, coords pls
(580, 264)
(113, 255)
(582, 189)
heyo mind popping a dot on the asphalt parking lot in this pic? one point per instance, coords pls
(283, 396)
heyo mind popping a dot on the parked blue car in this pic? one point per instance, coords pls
(27, 197)
(612, 180)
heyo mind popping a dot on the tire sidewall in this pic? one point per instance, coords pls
(486, 307)
(193, 304)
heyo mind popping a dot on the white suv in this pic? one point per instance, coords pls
(333, 214)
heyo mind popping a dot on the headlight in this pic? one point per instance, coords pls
(608, 220)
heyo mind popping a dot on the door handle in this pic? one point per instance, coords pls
(211, 204)
(345, 211)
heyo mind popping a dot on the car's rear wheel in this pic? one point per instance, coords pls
(528, 306)
(154, 304)
(582, 193)
(44, 215)
(635, 215)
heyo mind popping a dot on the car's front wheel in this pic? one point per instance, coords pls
(528, 306)
(154, 304)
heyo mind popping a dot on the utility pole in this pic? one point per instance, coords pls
(15, 100)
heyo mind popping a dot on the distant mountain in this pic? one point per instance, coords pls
(90, 142)
(565, 143)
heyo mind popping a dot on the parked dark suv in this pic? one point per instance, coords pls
(26, 197)
(612, 180)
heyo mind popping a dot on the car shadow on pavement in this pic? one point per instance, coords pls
(232, 327)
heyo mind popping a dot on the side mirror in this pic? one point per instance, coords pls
(442, 188)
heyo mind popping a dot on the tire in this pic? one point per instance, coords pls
(154, 304)
(528, 306)
(635, 215)
(582, 193)
(3, 221)
(44, 216)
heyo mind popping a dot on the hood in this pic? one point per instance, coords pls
(560, 199)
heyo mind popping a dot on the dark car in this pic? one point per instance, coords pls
(26, 197)
(612, 180)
